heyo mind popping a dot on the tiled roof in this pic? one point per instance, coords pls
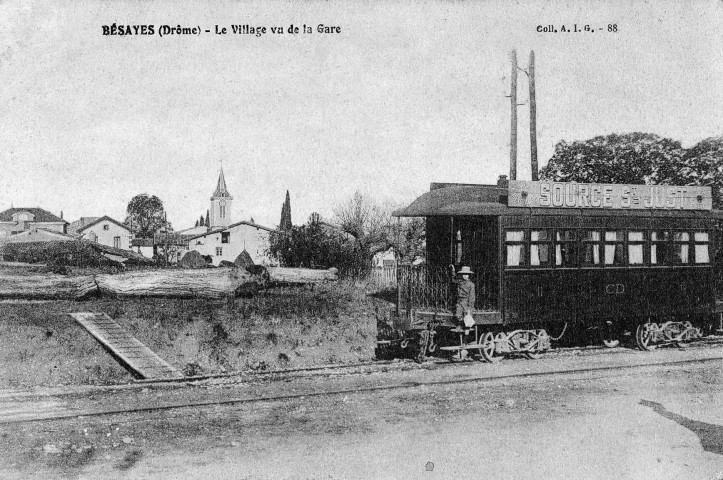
(78, 224)
(97, 220)
(40, 215)
(55, 233)
(35, 231)
(223, 229)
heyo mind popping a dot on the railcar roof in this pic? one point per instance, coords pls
(491, 200)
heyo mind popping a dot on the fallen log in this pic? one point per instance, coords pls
(50, 287)
(203, 283)
(206, 283)
(287, 275)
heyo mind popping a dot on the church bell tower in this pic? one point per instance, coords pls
(221, 204)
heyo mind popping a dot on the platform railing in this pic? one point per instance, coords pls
(431, 287)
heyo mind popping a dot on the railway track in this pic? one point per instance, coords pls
(89, 413)
(328, 370)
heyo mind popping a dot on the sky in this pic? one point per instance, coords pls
(408, 93)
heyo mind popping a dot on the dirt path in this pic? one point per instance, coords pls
(654, 422)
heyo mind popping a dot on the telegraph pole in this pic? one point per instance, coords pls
(513, 101)
(533, 117)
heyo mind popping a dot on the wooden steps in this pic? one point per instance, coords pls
(134, 356)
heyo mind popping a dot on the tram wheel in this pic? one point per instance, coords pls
(644, 337)
(488, 348)
(609, 335)
(530, 354)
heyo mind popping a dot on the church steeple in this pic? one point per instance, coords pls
(221, 190)
(221, 204)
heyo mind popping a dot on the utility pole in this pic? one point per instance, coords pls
(533, 118)
(513, 101)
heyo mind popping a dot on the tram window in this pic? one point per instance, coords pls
(614, 248)
(635, 248)
(701, 247)
(515, 251)
(565, 248)
(591, 248)
(659, 248)
(681, 247)
(539, 248)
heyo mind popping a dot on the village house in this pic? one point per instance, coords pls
(18, 220)
(37, 234)
(104, 230)
(224, 240)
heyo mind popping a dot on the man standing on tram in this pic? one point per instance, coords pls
(465, 294)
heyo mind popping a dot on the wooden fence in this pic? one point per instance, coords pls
(385, 276)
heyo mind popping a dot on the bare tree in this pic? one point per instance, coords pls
(369, 222)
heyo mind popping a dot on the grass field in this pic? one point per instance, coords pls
(40, 345)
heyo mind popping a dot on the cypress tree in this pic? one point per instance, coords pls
(208, 219)
(285, 223)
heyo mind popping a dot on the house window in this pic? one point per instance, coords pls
(635, 248)
(701, 247)
(225, 237)
(116, 242)
(515, 251)
(219, 251)
(106, 227)
(93, 237)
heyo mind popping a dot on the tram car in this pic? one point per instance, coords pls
(550, 257)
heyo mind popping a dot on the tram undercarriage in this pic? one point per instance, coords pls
(491, 343)
(482, 342)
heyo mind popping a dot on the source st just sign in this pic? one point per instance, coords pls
(550, 194)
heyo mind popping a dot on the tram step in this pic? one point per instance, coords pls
(461, 330)
(456, 348)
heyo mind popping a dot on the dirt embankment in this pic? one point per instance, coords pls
(40, 345)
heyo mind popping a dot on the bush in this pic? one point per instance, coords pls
(69, 253)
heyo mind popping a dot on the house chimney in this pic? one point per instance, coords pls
(502, 181)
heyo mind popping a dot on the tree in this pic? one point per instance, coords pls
(312, 245)
(703, 165)
(367, 221)
(145, 215)
(633, 158)
(361, 228)
(285, 223)
(639, 158)
(208, 221)
(410, 239)
(196, 223)
(374, 230)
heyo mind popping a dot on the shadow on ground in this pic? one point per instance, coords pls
(710, 434)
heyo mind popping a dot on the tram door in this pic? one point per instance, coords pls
(475, 245)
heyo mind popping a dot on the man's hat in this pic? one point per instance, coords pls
(465, 271)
